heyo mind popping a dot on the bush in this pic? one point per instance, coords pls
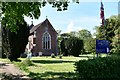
(52, 55)
(71, 46)
(60, 56)
(107, 67)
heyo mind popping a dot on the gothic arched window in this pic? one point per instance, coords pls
(46, 41)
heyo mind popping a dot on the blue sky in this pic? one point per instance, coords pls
(85, 15)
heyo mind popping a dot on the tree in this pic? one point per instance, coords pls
(63, 41)
(84, 34)
(74, 46)
(108, 31)
(73, 34)
(65, 35)
(116, 42)
(89, 45)
(17, 42)
(71, 46)
(63, 47)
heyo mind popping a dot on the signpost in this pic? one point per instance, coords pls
(102, 46)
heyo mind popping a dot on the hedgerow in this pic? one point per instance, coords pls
(105, 68)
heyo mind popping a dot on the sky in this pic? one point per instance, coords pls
(85, 15)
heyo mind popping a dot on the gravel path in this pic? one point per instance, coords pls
(12, 70)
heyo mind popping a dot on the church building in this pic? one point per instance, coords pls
(42, 39)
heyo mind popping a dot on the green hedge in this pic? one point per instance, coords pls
(107, 67)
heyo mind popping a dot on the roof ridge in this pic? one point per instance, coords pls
(38, 25)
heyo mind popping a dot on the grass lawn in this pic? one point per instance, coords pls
(46, 64)
(49, 68)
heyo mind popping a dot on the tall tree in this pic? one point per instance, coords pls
(109, 30)
(17, 42)
(73, 34)
(84, 34)
(116, 42)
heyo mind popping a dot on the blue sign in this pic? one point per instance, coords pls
(102, 46)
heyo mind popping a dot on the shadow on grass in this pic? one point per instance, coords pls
(51, 61)
(53, 76)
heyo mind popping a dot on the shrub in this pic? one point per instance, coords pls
(60, 56)
(52, 55)
(71, 46)
(107, 67)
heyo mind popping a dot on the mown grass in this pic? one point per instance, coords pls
(53, 68)
(50, 68)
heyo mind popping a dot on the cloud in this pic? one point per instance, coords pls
(72, 27)
(84, 22)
